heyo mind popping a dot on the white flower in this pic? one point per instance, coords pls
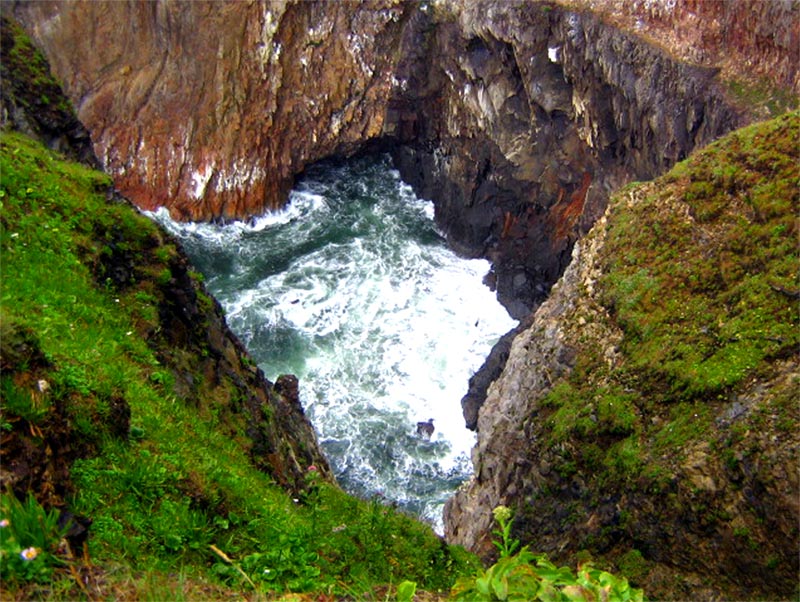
(29, 554)
(4, 523)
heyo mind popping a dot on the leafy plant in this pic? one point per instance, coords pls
(529, 576)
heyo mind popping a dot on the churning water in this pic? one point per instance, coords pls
(352, 289)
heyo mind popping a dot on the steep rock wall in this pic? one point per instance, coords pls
(669, 454)
(213, 108)
(515, 117)
(747, 39)
(530, 115)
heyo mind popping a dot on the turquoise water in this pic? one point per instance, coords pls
(352, 289)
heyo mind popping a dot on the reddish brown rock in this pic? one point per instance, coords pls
(496, 110)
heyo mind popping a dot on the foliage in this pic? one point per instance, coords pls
(528, 576)
(29, 540)
(704, 294)
(23, 62)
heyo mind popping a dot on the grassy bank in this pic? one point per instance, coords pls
(93, 419)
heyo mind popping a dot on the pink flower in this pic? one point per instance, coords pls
(29, 554)
(4, 523)
(312, 468)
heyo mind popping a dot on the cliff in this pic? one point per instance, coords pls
(134, 423)
(622, 426)
(649, 414)
(517, 118)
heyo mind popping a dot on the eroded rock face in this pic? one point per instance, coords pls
(211, 109)
(532, 113)
(687, 490)
(515, 117)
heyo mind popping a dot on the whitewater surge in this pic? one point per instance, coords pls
(352, 289)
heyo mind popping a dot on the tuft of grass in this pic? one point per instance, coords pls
(762, 97)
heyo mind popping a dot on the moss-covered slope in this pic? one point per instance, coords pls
(650, 415)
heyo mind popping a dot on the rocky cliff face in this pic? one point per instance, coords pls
(515, 117)
(747, 40)
(518, 119)
(646, 414)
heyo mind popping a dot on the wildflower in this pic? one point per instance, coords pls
(312, 468)
(502, 514)
(28, 554)
(4, 523)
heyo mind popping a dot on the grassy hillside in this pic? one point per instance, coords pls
(93, 421)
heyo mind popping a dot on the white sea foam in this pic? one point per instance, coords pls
(351, 289)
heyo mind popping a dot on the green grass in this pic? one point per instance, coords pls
(174, 478)
(762, 97)
(705, 300)
(25, 63)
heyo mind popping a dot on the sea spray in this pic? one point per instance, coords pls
(352, 289)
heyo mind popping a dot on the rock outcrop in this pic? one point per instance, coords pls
(515, 117)
(649, 415)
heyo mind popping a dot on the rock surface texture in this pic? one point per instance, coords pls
(515, 117)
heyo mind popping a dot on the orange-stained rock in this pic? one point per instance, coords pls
(495, 109)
